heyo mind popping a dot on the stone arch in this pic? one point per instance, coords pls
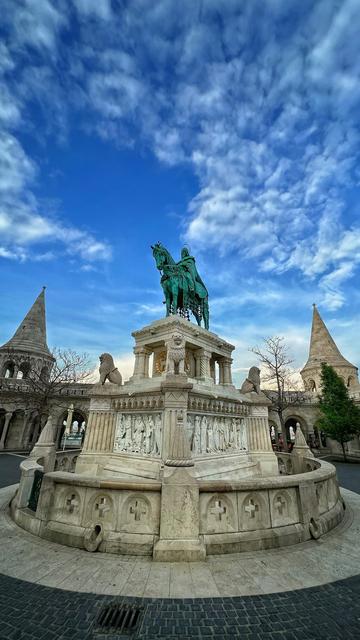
(71, 501)
(351, 381)
(73, 464)
(281, 503)
(2, 420)
(254, 511)
(219, 513)
(101, 509)
(136, 511)
(14, 432)
(45, 372)
(282, 466)
(291, 421)
(23, 371)
(311, 385)
(63, 464)
(9, 369)
(79, 417)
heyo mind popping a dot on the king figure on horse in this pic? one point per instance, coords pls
(182, 285)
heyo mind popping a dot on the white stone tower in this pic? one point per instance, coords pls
(323, 349)
(27, 350)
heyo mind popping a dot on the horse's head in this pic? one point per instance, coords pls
(161, 255)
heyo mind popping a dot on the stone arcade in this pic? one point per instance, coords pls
(177, 463)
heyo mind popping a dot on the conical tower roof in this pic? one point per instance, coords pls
(31, 333)
(323, 347)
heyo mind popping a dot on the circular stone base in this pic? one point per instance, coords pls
(333, 557)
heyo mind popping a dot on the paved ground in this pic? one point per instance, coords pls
(9, 468)
(333, 557)
(279, 611)
(330, 612)
(348, 474)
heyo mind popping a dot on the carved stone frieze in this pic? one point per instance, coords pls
(214, 434)
(148, 401)
(138, 433)
(216, 405)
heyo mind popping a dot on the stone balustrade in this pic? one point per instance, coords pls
(243, 515)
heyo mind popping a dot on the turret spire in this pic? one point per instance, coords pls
(322, 345)
(31, 333)
(324, 349)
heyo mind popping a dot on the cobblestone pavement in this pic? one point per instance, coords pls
(33, 611)
(330, 612)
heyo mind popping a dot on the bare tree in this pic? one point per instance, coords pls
(41, 390)
(282, 391)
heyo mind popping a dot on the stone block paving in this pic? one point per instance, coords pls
(329, 612)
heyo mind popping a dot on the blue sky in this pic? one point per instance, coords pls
(230, 126)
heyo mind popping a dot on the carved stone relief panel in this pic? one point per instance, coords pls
(140, 513)
(100, 509)
(138, 433)
(322, 496)
(283, 507)
(218, 513)
(216, 434)
(332, 492)
(68, 505)
(254, 511)
(159, 362)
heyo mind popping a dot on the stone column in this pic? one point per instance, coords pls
(175, 445)
(203, 365)
(179, 512)
(226, 363)
(69, 420)
(100, 432)
(141, 367)
(8, 416)
(259, 441)
(24, 434)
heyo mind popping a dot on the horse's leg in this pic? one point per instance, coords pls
(205, 306)
(175, 299)
(167, 291)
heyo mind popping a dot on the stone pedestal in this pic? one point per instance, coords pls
(259, 440)
(179, 527)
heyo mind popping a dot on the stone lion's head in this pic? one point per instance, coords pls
(106, 359)
(254, 375)
(177, 339)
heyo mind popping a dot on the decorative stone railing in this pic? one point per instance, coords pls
(66, 460)
(124, 516)
(285, 463)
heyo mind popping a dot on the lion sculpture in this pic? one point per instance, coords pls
(175, 358)
(108, 371)
(252, 382)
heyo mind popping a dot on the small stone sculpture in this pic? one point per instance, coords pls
(108, 371)
(175, 358)
(252, 382)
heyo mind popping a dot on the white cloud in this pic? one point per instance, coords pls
(100, 9)
(263, 108)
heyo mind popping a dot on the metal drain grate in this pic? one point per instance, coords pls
(121, 618)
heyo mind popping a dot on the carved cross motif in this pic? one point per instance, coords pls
(218, 510)
(280, 504)
(252, 508)
(101, 507)
(138, 510)
(71, 503)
